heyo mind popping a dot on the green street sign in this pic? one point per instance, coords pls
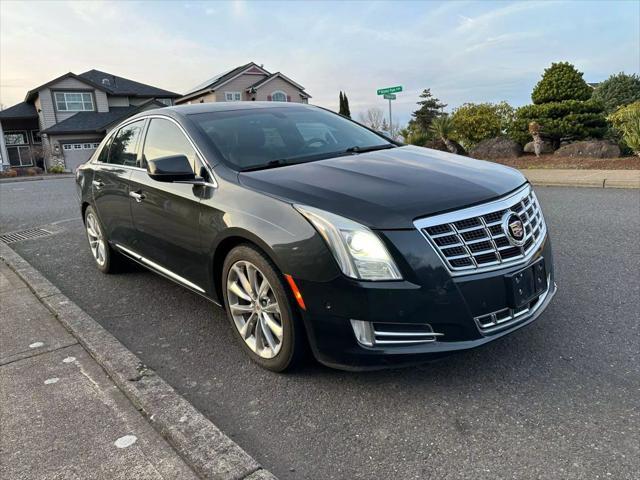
(389, 96)
(382, 91)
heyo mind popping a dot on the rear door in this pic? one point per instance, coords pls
(110, 185)
(166, 215)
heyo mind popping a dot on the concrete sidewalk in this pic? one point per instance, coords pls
(584, 178)
(61, 416)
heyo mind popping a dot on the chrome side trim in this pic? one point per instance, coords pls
(159, 268)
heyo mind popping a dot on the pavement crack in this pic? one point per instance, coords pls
(36, 354)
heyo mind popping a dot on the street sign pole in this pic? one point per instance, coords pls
(390, 127)
(389, 95)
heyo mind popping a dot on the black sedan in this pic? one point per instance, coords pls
(314, 231)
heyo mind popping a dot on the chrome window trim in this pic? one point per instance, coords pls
(478, 211)
(201, 157)
(159, 268)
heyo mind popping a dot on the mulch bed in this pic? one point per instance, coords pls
(553, 161)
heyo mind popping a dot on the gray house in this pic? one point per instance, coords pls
(64, 120)
(246, 83)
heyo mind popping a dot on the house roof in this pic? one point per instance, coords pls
(123, 86)
(96, 122)
(117, 85)
(21, 110)
(223, 77)
(266, 80)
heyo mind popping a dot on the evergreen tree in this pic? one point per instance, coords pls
(430, 108)
(347, 111)
(341, 107)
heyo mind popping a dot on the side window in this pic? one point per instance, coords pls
(123, 149)
(103, 156)
(165, 139)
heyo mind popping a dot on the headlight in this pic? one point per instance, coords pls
(358, 251)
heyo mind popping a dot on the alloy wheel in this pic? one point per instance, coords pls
(96, 239)
(254, 309)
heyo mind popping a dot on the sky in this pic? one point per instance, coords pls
(465, 51)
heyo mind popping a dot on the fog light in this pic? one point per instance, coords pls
(363, 331)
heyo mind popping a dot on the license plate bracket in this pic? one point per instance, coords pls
(526, 284)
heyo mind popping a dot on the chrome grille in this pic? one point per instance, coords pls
(473, 239)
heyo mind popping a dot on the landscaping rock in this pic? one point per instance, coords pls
(494, 148)
(547, 147)
(440, 145)
(590, 148)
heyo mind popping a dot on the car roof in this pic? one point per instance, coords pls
(229, 106)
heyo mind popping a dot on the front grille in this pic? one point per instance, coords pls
(473, 239)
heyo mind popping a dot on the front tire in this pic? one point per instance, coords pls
(107, 260)
(260, 310)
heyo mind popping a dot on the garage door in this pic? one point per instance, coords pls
(76, 154)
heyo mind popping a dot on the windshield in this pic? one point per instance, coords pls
(250, 139)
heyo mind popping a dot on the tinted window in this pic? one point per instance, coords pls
(165, 139)
(104, 153)
(123, 149)
(251, 138)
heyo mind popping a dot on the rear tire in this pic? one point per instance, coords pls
(261, 312)
(106, 258)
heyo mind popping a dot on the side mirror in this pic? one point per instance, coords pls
(174, 168)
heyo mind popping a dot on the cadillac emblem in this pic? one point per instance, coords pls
(513, 228)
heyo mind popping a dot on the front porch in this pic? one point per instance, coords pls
(20, 141)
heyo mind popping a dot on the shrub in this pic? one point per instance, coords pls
(8, 173)
(618, 90)
(626, 121)
(56, 169)
(568, 120)
(561, 81)
(475, 122)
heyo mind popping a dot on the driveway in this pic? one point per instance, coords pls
(559, 399)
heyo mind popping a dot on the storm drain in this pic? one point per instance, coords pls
(28, 234)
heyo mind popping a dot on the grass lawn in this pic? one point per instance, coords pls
(553, 161)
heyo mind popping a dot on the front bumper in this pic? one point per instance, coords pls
(453, 306)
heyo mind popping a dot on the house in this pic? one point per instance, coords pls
(64, 120)
(245, 83)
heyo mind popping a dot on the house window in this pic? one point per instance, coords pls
(35, 137)
(77, 146)
(66, 146)
(15, 138)
(96, 145)
(87, 146)
(278, 96)
(232, 96)
(74, 101)
(165, 101)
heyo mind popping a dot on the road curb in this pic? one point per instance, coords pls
(36, 178)
(202, 445)
(583, 178)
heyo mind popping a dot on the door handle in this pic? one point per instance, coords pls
(97, 183)
(137, 195)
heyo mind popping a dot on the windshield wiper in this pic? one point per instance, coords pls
(372, 148)
(272, 164)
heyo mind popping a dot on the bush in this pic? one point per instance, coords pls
(561, 81)
(56, 169)
(568, 120)
(475, 122)
(626, 121)
(8, 173)
(618, 90)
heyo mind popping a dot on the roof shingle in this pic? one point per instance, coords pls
(116, 85)
(21, 110)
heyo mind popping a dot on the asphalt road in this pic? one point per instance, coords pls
(559, 399)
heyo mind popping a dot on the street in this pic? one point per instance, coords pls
(559, 399)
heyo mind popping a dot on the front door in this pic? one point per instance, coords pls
(166, 215)
(110, 182)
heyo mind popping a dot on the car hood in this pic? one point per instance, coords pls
(387, 189)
